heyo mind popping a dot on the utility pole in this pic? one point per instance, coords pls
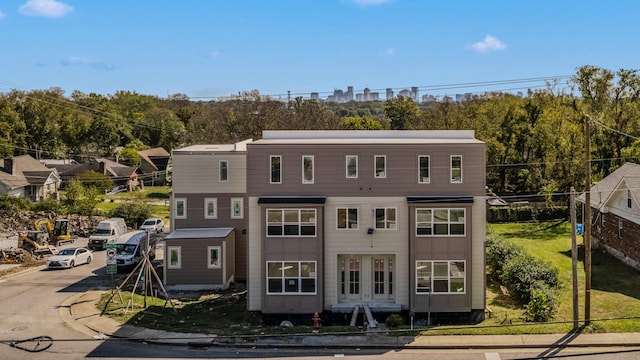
(587, 221)
(574, 259)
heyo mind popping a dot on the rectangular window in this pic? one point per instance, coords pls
(440, 277)
(385, 218)
(291, 222)
(175, 257)
(423, 169)
(276, 169)
(620, 226)
(456, 169)
(213, 257)
(237, 208)
(291, 277)
(380, 166)
(210, 208)
(352, 166)
(440, 222)
(307, 169)
(629, 198)
(347, 218)
(181, 208)
(224, 171)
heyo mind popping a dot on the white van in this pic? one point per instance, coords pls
(107, 231)
(131, 248)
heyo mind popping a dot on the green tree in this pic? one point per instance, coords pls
(80, 199)
(361, 123)
(402, 113)
(129, 157)
(93, 179)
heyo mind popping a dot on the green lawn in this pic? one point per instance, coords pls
(156, 196)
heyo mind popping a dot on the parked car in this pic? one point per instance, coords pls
(155, 224)
(70, 257)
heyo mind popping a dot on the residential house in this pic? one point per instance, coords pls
(388, 221)
(122, 175)
(207, 246)
(615, 216)
(26, 177)
(154, 165)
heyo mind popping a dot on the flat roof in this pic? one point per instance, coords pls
(199, 233)
(367, 137)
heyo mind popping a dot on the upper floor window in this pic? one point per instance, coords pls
(213, 257)
(423, 169)
(347, 218)
(620, 227)
(456, 169)
(307, 169)
(210, 208)
(380, 166)
(224, 171)
(181, 208)
(629, 198)
(440, 276)
(276, 169)
(385, 218)
(352, 166)
(440, 222)
(291, 277)
(291, 222)
(237, 208)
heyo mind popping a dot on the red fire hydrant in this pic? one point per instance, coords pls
(316, 321)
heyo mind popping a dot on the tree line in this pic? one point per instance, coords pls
(534, 142)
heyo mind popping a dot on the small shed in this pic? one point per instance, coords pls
(199, 259)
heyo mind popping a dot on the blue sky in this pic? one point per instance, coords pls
(213, 48)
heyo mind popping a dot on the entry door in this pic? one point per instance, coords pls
(382, 277)
(350, 277)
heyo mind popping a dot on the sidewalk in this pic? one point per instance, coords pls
(81, 313)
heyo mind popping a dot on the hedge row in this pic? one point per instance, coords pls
(511, 214)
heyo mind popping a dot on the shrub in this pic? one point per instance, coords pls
(524, 274)
(393, 321)
(51, 205)
(499, 252)
(14, 203)
(540, 308)
(134, 214)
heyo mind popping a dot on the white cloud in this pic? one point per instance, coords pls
(2, 15)
(387, 53)
(80, 61)
(370, 2)
(44, 8)
(488, 44)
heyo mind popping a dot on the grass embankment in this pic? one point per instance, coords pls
(615, 295)
(157, 197)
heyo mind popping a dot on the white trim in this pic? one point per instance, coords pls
(388, 225)
(220, 179)
(313, 275)
(453, 179)
(421, 179)
(304, 180)
(184, 208)
(347, 227)
(346, 166)
(375, 167)
(233, 214)
(271, 157)
(209, 264)
(178, 250)
(432, 277)
(208, 201)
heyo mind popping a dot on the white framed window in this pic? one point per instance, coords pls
(291, 278)
(224, 171)
(385, 218)
(210, 208)
(291, 222)
(276, 169)
(380, 166)
(180, 205)
(307, 169)
(629, 199)
(213, 257)
(175, 257)
(237, 208)
(620, 228)
(440, 222)
(423, 169)
(456, 169)
(351, 164)
(440, 277)
(347, 218)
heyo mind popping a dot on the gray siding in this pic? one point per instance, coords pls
(402, 170)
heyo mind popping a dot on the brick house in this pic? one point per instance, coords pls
(615, 215)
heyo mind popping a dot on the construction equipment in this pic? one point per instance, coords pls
(36, 242)
(58, 233)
